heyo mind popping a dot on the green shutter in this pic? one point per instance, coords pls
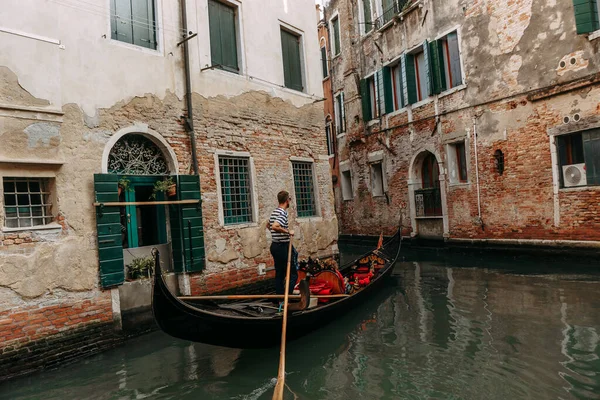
(367, 15)
(437, 67)
(223, 37)
(410, 78)
(292, 70)
(123, 30)
(143, 23)
(366, 100)
(343, 112)
(428, 68)
(188, 255)
(336, 36)
(388, 90)
(108, 225)
(454, 61)
(586, 15)
(324, 62)
(591, 153)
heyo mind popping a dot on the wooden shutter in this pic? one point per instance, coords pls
(108, 226)
(188, 255)
(410, 78)
(368, 19)
(324, 62)
(388, 91)
(143, 23)
(437, 67)
(223, 36)
(586, 15)
(366, 100)
(123, 29)
(591, 152)
(379, 90)
(455, 69)
(336, 35)
(342, 113)
(428, 69)
(292, 70)
(214, 23)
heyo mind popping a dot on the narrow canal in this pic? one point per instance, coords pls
(460, 328)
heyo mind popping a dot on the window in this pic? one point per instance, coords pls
(324, 62)
(579, 158)
(329, 134)
(347, 192)
(389, 9)
(367, 16)
(587, 15)
(292, 66)
(133, 21)
(457, 161)
(236, 194)
(397, 87)
(335, 23)
(26, 202)
(223, 36)
(372, 96)
(304, 188)
(377, 188)
(451, 56)
(340, 113)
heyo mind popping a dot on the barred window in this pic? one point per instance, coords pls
(305, 191)
(236, 195)
(26, 202)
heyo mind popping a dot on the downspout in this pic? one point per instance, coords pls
(189, 120)
(480, 221)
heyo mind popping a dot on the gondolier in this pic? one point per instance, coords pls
(281, 236)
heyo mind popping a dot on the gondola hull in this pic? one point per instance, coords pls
(190, 322)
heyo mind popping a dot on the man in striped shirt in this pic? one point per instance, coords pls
(281, 235)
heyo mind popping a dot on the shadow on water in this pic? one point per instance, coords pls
(442, 327)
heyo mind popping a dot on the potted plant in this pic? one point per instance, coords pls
(140, 267)
(124, 184)
(165, 185)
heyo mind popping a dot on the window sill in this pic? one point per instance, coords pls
(432, 217)
(50, 226)
(240, 226)
(141, 49)
(309, 219)
(330, 156)
(397, 112)
(594, 35)
(372, 123)
(387, 25)
(350, 199)
(459, 184)
(453, 90)
(579, 189)
(421, 103)
(341, 135)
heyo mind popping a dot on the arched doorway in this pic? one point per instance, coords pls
(426, 195)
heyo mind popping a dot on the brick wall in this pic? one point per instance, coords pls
(45, 333)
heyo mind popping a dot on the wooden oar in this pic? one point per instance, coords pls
(278, 394)
(260, 296)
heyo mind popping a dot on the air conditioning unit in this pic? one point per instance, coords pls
(574, 175)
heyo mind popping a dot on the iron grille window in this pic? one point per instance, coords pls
(235, 190)
(305, 191)
(26, 202)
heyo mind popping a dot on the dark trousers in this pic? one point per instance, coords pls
(279, 251)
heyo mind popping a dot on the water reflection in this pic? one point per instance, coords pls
(439, 329)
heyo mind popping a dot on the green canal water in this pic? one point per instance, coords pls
(460, 328)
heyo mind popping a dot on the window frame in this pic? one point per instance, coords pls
(252, 186)
(330, 136)
(324, 61)
(557, 141)
(317, 209)
(374, 95)
(334, 45)
(340, 113)
(301, 55)
(366, 28)
(158, 30)
(398, 100)
(237, 6)
(443, 35)
(345, 169)
(454, 169)
(48, 203)
(377, 158)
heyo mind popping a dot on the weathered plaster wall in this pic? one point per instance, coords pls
(507, 51)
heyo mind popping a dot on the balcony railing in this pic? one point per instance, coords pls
(428, 202)
(396, 8)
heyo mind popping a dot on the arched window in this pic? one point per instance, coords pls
(135, 154)
(430, 172)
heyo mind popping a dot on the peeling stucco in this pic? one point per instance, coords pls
(41, 133)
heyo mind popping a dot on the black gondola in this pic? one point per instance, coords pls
(259, 326)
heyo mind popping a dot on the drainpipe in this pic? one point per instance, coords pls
(189, 121)
(477, 173)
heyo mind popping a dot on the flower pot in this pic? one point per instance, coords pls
(172, 190)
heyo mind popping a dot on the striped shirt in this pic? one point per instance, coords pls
(281, 216)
